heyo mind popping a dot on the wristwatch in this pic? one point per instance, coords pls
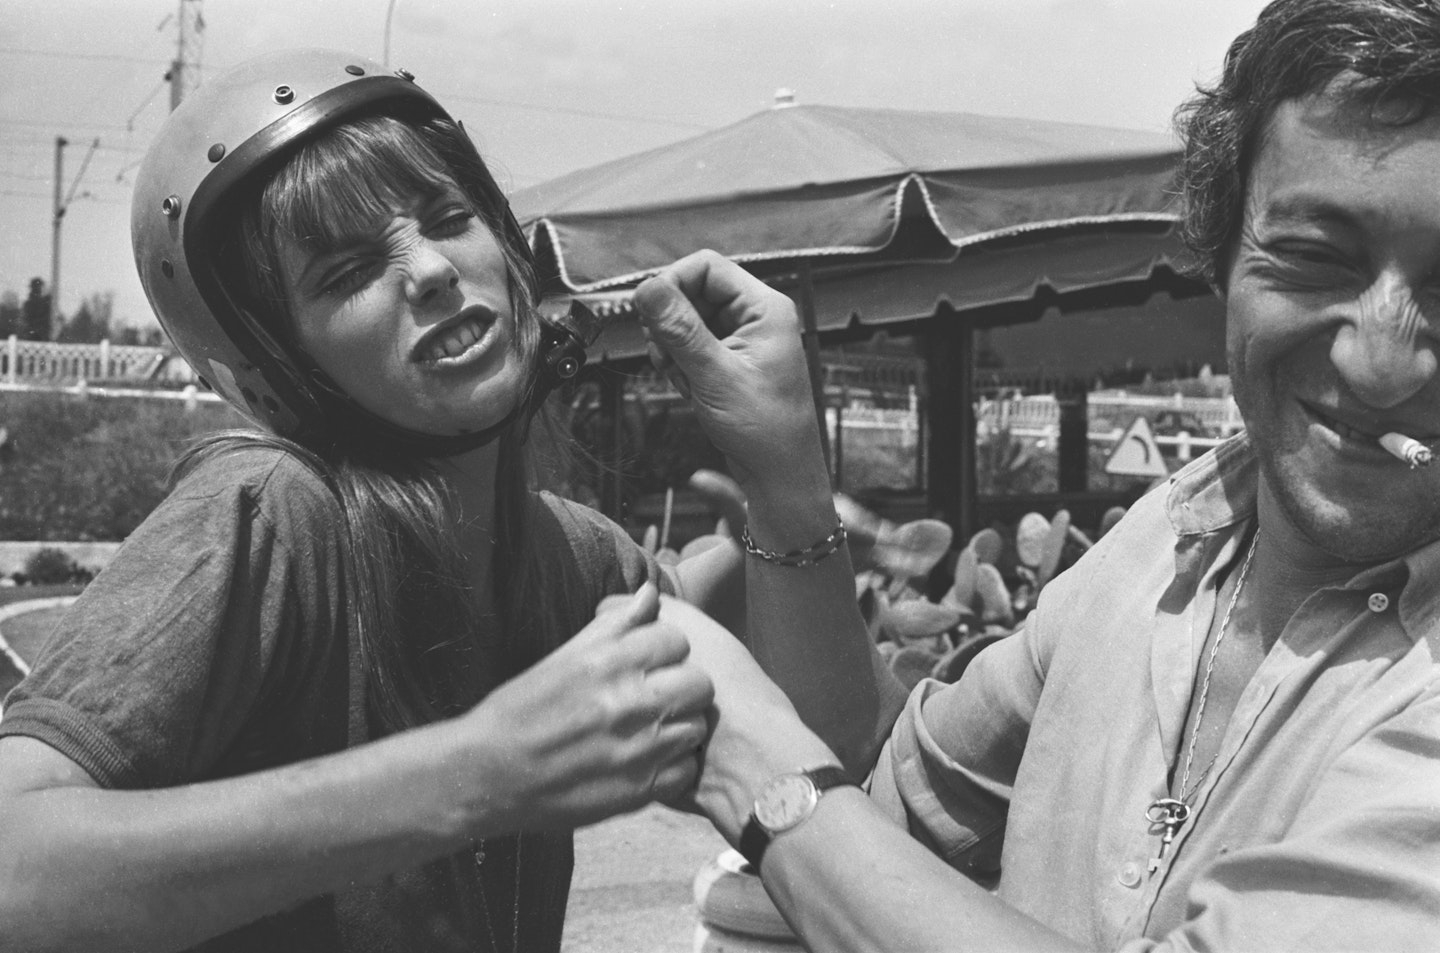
(783, 804)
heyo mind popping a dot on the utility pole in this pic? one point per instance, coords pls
(184, 74)
(389, 15)
(61, 204)
(60, 143)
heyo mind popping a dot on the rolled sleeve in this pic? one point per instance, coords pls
(949, 766)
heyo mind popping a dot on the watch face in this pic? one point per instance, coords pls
(785, 802)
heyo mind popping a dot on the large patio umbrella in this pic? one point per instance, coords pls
(869, 215)
(843, 186)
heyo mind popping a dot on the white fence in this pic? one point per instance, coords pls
(49, 362)
(1217, 414)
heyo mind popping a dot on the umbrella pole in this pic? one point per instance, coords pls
(810, 335)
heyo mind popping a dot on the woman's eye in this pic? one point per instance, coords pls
(454, 222)
(348, 278)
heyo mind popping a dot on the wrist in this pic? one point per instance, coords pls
(783, 519)
(736, 776)
(476, 800)
(786, 802)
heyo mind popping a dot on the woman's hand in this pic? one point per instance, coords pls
(732, 345)
(610, 721)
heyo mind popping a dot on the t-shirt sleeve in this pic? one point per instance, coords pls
(606, 556)
(203, 624)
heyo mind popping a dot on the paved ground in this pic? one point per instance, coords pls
(634, 875)
(633, 884)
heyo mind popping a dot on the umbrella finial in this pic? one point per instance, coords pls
(784, 96)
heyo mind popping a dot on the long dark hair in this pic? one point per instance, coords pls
(411, 601)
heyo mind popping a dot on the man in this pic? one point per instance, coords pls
(1221, 728)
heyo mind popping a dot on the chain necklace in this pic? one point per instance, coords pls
(1172, 812)
(485, 903)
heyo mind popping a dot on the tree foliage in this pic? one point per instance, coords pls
(91, 322)
(35, 313)
(10, 314)
(90, 469)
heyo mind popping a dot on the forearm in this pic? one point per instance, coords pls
(714, 581)
(805, 628)
(849, 879)
(87, 868)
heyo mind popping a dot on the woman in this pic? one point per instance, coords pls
(330, 696)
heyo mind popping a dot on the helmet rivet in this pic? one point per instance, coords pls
(171, 206)
(167, 269)
(284, 94)
(354, 70)
(217, 152)
(405, 74)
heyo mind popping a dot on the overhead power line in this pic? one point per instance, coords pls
(72, 55)
(570, 111)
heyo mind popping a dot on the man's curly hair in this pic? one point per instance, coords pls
(1382, 51)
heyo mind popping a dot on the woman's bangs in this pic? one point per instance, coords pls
(339, 186)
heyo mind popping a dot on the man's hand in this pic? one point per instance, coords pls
(732, 345)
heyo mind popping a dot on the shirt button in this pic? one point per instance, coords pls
(1129, 875)
(1379, 602)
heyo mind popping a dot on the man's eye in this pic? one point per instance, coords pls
(1312, 264)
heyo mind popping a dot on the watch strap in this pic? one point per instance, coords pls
(754, 838)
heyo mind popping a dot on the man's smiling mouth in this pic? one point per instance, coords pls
(1370, 435)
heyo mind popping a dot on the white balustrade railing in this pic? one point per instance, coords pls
(50, 362)
(1040, 411)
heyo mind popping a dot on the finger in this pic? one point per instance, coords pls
(681, 691)
(620, 613)
(675, 780)
(724, 494)
(712, 284)
(615, 603)
(675, 327)
(648, 647)
(661, 362)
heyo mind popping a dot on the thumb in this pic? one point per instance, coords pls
(619, 614)
(673, 325)
(723, 493)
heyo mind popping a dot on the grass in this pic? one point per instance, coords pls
(26, 633)
(11, 594)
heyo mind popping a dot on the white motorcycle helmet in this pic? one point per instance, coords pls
(242, 124)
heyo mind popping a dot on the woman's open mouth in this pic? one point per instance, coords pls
(454, 340)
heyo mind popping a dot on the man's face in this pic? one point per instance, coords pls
(1333, 304)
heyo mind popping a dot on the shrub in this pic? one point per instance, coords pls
(50, 566)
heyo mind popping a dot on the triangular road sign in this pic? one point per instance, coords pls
(1136, 453)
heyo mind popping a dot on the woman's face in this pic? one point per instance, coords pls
(412, 317)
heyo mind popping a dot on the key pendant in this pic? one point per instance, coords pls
(1172, 815)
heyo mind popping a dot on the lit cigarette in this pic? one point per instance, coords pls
(1407, 449)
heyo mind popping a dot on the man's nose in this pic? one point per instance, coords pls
(429, 273)
(1385, 351)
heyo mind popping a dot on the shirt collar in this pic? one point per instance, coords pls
(1219, 490)
(1215, 491)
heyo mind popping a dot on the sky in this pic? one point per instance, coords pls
(550, 86)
